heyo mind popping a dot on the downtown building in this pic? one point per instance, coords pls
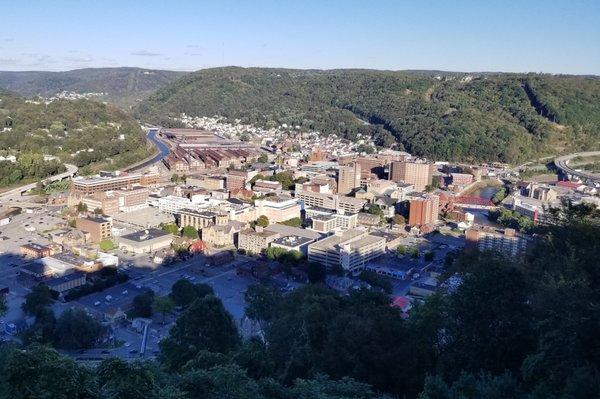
(351, 249)
(330, 201)
(111, 181)
(419, 174)
(508, 242)
(348, 178)
(423, 210)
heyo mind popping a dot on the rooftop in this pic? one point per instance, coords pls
(292, 241)
(338, 239)
(284, 230)
(145, 235)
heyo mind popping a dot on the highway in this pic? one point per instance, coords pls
(562, 163)
(71, 170)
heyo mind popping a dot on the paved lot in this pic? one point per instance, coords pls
(143, 218)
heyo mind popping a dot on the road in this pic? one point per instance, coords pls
(71, 170)
(562, 163)
(163, 151)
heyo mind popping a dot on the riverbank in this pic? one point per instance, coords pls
(483, 188)
(162, 150)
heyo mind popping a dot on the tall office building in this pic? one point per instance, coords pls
(348, 178)
(423, 210)
(417, 173)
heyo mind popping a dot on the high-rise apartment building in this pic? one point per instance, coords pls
(417, 173)
(423, 210)
(348, 178)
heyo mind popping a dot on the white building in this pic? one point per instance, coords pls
(351, 249)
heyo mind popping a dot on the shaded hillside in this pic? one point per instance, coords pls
(452, 116)
(123, 86)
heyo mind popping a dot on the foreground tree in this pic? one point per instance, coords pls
(261, 302)
(39, 297)
(75, 329)
(184, 292)
(143, 304)
(204, 325)
(164, 305)
(41, 372)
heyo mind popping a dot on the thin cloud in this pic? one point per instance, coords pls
(146, 53)
(79, 60)
(10, 61)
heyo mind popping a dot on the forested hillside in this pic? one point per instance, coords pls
(86, 133)
(452, 116)
(122, 86)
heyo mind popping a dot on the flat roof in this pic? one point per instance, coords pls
(284, 230)
(35, 246)
(264, 233)
(366, 240)
(97, 219)
(64, 279)
(292, 241)
(337, 239)
(145, 235)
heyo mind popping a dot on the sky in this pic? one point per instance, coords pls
(561, 36)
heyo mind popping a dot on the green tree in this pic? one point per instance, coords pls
(316, 272)
(81, 207)
(3, 305)
(261, 302)
(254, 359)
(190, 232)
(143, 304)
(263, 158)
(414, 253)
(487, 318)
(107, 245)
(38, 298)
(399, 220)
(400, 251)
(375, 209)
(119, 379)
(294, 222)
(171, 228)
(42, 331)
(204, 325)
(40, 372)
(429, 255)
(376, 280)
(184, 292)
(262, 221)
(75, 329)
(164, 305)
(499, 196)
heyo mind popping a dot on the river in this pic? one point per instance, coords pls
(163, 150)
(485, 192)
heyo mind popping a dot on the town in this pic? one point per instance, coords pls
(229, 206)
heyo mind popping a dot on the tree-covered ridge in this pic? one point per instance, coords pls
(68, 130)
(122, 86)
(444, 116)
